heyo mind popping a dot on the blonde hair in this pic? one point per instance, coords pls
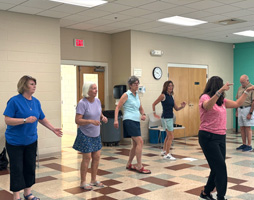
(23, 83)
(86, 87)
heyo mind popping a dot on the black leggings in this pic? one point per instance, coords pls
(22, 166)
(214, 148)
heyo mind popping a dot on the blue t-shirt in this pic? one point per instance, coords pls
(167, 106)
(131, 107)
(20, 107)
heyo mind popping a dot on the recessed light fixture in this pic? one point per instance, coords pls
(248, 33)
(183, 21)
(84, 3)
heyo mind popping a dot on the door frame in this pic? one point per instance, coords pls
(190, 66)
(90, 63)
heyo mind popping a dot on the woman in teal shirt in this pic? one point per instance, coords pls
(131, 123)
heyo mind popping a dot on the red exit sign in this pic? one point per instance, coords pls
(79, 43)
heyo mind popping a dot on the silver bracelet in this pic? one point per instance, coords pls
(218, 94)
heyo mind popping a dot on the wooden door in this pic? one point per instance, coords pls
(189, 84)
(93, 74)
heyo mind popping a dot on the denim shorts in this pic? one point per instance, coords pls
(86, 144)
(167, 124)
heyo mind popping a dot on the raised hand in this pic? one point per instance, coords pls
(226, 87)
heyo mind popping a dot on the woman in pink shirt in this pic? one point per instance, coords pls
(212, 133)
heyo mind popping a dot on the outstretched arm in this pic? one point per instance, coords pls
(46, 123)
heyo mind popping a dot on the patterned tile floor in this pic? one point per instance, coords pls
(58, 177)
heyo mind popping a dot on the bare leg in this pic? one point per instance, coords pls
(139, 145)
(243, 134)
(84, 167)
(132, 152)
(248, 133)
(95, 164)
(170, 137)
(16, 195)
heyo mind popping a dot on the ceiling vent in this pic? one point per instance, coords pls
(230, 21)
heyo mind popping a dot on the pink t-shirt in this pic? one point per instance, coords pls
(213, 120)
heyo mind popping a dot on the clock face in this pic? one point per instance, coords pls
(157, 73)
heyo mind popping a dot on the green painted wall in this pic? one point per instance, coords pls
(243, 64)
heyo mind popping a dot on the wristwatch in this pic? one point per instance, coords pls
(250, 113)
(24, 120)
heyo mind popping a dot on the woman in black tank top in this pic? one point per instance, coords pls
(168, 103)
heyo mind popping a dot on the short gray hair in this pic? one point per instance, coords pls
(132, 80)
(86, 88)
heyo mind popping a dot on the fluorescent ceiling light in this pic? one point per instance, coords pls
(84, 3)
(182, 21)
(248, 33)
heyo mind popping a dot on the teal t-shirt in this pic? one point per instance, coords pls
(131, 107)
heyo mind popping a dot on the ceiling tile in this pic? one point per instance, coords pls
(179, 10)
(158, 6)
(54, 14)
(222, 9)
(244, 4)
(134, 3)
(155, 16)
(136, 20)
(16, 2)
(24, 9)
(113, 7)
(94, 13)
(135, 12)
(5, 6)
(239, 13)
(198, 15)
(41, 4)
(67, 8)
(180, 2)
(201, 5)
(117, 17)
(78, 18)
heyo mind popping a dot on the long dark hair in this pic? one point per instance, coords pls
(212, 86)
(165, 87)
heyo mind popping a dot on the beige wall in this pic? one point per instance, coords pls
(218, 56)
(97, 49)
(30, 45)
(121, 60)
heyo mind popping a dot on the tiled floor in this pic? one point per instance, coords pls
(58, 178)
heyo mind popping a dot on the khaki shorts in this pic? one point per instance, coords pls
(242, 117)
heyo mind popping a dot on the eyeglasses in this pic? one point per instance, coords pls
(135, 83)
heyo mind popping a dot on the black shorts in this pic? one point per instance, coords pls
(131, 128)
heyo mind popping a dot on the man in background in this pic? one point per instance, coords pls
(245, 114)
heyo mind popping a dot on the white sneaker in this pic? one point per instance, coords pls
(169, 157)
(163, 153)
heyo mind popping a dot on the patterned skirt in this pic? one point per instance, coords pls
(86, 144)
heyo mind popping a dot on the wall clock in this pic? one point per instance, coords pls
(157, 73)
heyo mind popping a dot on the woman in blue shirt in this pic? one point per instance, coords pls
(168, 103)
(22, 114)
(131, 123)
